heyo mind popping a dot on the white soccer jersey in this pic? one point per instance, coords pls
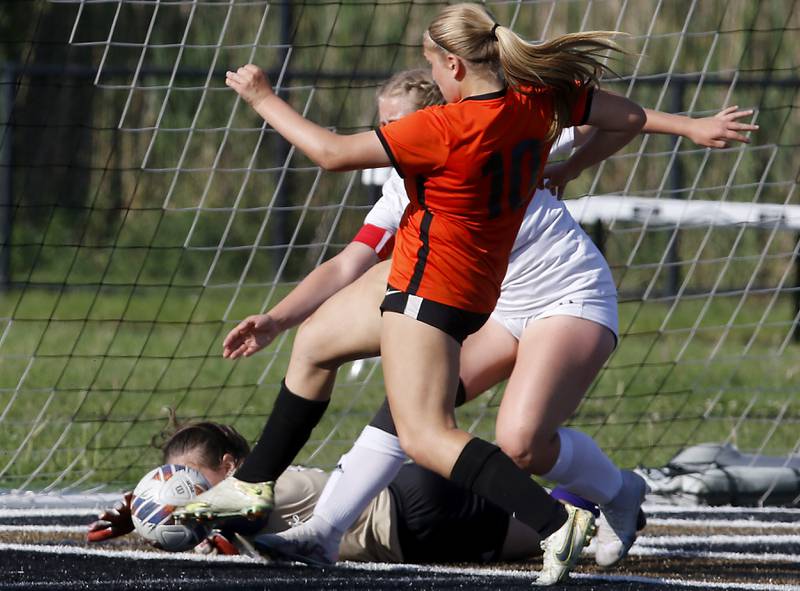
(552, 260)
(388, 210)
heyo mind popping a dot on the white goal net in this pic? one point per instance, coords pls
(144, 210)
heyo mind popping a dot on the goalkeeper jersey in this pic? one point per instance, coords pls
(421, 517)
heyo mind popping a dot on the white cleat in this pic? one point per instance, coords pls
(620, 520)
(301, 543)
(562, 549)
(230, 498)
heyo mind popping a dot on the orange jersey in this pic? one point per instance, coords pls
(470, 169)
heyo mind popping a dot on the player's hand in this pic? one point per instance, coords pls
(216, 543)
(724, 127)
(250, 83)
(250, 336)
(556, 176)
(113, 522)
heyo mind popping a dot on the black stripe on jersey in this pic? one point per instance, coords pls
(588, 109)
(487, 96)
(392, 159)
(420, 181)
(424, 236)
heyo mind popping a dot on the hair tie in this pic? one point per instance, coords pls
(494, 29)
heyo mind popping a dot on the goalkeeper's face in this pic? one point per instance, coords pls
(194, 459)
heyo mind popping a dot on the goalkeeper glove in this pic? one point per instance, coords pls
(216, 543)
(113, 522)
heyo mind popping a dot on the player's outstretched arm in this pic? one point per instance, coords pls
(712, 132)
(257, 331)
(329, 150)
(616, 119)
(113, 522)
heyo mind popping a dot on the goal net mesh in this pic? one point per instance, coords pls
(145, 209)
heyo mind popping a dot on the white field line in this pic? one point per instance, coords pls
(649, 508)
(55, 501)
(656, 508)
(190, 556)
(762, 557)
(493, 572)
(135, 554)
(140, 583)
(482, 572)
(729, 523)
(411, 581)
(647, 541)
(688, 582)
(44, 528)
(663, 521)
(275, 581)
(11, 513)
(710, 540)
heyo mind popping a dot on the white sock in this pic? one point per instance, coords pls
(368, 468)
(583, 469)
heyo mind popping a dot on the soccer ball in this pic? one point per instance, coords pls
(154, 499)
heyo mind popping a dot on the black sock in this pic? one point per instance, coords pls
(287, 430)
(484, 469)
(383, 418)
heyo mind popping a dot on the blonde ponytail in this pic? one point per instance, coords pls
(563, 64)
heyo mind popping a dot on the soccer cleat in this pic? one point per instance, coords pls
(605, 535)
(562, 549)
(298, 544)
(228, 499)
(621, 519)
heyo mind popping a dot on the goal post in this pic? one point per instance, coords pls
(145, 209)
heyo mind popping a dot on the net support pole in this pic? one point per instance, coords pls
(797, 295)
(7, 75)
(282, 149)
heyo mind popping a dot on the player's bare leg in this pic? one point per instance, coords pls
(345, 328)
(557, 360)
(420, 369)
(320, 347)
(487, 358)
(421, 381)
(545, 388)
(489, 355)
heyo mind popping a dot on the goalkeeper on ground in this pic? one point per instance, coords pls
(421, 517)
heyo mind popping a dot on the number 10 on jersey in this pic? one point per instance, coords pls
(527, 154)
